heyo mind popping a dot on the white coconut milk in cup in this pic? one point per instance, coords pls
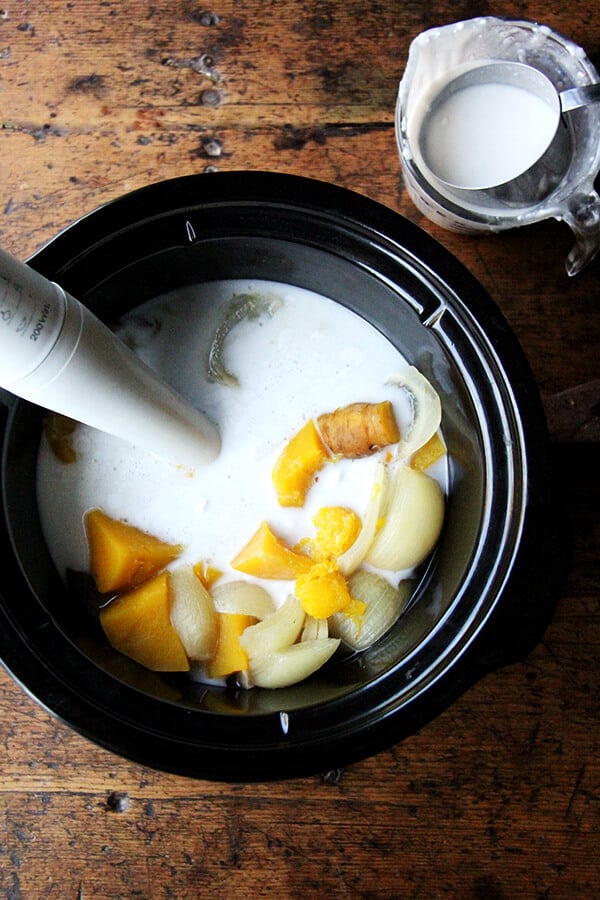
(498, 126)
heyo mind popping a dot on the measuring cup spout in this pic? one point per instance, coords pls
(583, 217)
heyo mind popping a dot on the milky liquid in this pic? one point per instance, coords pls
(311, 356)
(486, 134)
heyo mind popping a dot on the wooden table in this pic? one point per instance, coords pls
(499, 796)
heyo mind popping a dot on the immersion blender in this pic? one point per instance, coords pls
(57, 354)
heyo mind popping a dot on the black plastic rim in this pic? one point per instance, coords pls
(498, 610)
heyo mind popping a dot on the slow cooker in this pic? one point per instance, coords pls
(482, 601)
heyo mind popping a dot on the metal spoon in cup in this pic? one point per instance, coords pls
(473, 140)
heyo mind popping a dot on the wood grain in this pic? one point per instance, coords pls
(499, 796)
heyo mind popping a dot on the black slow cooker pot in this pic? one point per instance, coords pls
(482, 601)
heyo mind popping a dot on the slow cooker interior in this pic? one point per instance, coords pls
(397, 309)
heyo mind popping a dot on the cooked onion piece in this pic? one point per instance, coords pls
(282, 668)
(244, 598)
(277, 631)
(353, 557)
(314, 629)
(426, 410)
(274, 659)
(384, 604)
(192, 613)
(413, 515)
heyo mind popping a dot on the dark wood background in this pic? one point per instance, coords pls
(498, 797)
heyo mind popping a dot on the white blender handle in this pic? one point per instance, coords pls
(57, 354)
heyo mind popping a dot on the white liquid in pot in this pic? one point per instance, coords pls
(311, 356)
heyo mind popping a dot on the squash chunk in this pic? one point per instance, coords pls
(323, 591)
(429, 453)
(266, 556)
(230, 656)
(138, 624)
(337, 529)
(300, 460)
(207, 574)
(59, 431)
(121, 555)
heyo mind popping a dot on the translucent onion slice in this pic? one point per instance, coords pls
(282, 668)
(426, 410)
(413, 516)
(314, 629)
(277, 631)
(192, 613)
(384, 602)
(244, 598)
(351, 559)
(243, 306)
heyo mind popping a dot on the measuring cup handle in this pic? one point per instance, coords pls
(583, 217)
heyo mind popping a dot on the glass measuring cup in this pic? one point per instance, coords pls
(559, 184)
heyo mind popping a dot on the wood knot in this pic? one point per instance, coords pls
(118, 801)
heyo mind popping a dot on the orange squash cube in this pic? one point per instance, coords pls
(138, 624)
(300, 460)
(323, 590)
(121, 555)
(337, 527)
(266, 556)
(206, 573)
(230, 656)
(429, 453)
